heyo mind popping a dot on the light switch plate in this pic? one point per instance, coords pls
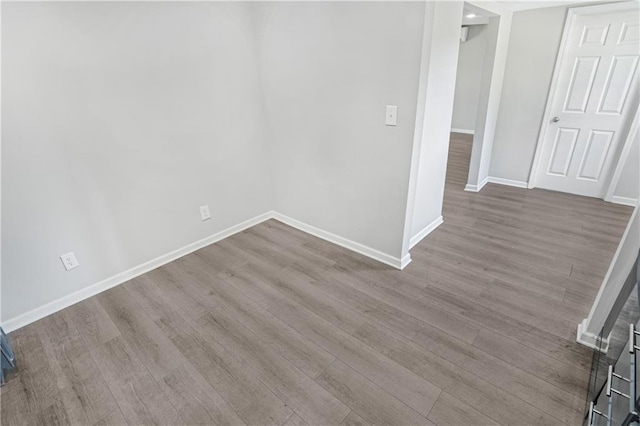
(69, 261)
(391, 117)
(204, 212)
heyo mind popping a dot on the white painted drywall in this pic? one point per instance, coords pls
(629, 184)
(119, 121)
(534, 44)
(328, 71)
(439, 83)
(470, 63)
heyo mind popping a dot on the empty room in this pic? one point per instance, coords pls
(319, 212)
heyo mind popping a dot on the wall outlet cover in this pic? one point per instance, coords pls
(391, 117)
(69, 261)
(204, 212)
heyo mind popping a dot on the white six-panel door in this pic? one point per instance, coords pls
(596, 93)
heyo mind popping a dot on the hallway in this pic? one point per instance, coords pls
(272, 325)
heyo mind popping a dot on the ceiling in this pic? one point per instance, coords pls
(517, 5)
(473, 15)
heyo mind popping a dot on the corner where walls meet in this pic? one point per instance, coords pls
(121, 119)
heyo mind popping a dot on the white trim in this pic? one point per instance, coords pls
(508, 182)
(424, 232)
(620, 6)
(476, 188)
(546, 118)
(122, 277)
(590, 340)
(622, 160)
(624, 201)
(406, 259)
(465, 131)
(396, 262)
(87, 292)
(418, 131)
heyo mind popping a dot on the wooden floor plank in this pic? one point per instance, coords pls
(368, 400)
(413, 391)
(487, 398)
(433, 315)
(196, 400)
(139, 397)
(252, 401)
(295, 420)
(449, 411)
(218, 290)
(353, 419)
(372, 308)
(312, 403)
(153, 348)
(92, 322)
(86, 397)
(558, 373)
(549, 398)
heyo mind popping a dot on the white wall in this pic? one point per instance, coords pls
(470, 63)
(534, 44)
(628, 186)
(328, 71)
(119, 121)
(432, 132)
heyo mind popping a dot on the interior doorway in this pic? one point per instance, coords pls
(474, 39)
(478, 36)
(587, 130)
(484, 38)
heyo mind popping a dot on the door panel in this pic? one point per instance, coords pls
(595, 154)
(564, 146)
(630, 33)
(618, 83)
(596, 91)
(594, 35)
(581, 83)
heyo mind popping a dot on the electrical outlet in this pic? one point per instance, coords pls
(204, 212)
(391, 117)
(69, 261)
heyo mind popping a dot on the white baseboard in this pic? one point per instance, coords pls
(590, 340)
(624, 201)
(508, 182)
(424, 232)
(406, 259)
(122, 277)
(465, 131)
(477, 188)
(343, 242)
(521, 184)
(80, 295)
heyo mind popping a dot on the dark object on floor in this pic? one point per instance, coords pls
(7, 358)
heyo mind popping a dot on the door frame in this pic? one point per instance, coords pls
(546, 118)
